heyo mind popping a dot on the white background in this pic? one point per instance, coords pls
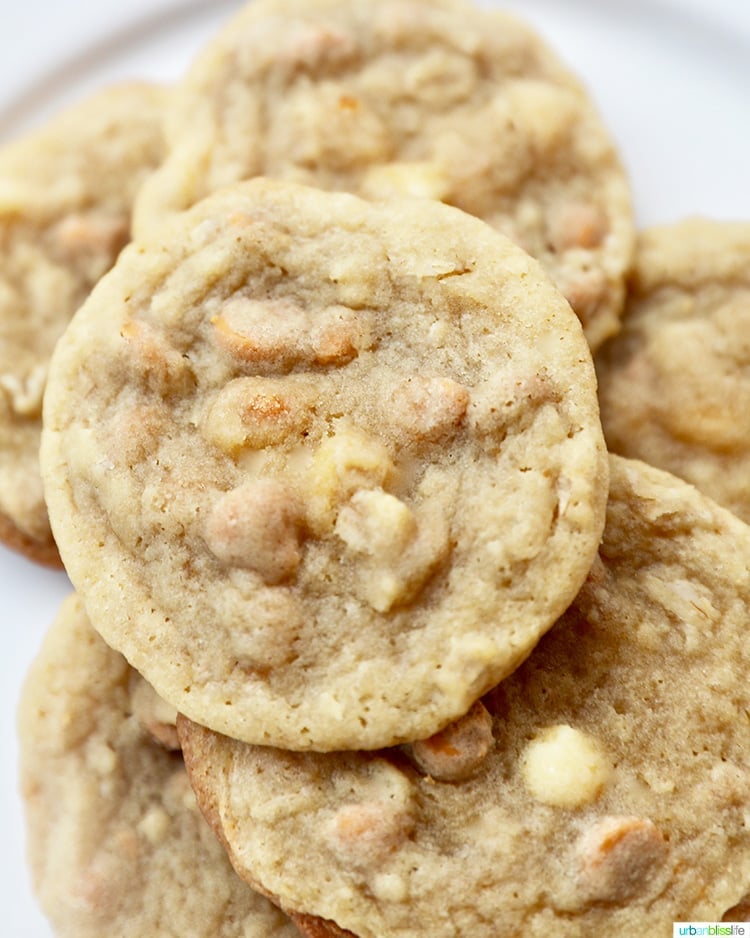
(671, 78)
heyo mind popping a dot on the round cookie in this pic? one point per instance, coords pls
(66, 193)
(601, 789)
(415, 97)
(675, 384)
(324, 469)
(116, 843)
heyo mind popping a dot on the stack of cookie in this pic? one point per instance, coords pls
(66, 197)
(323, 458)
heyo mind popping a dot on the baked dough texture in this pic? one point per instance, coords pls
(415, 97)
(116, 843)
(611, 800)
(675, 384)
(324, 470)
(66, 193)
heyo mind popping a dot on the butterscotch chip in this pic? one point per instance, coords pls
(636, 815)
(364, 831)
(459, 750)
(298, 556)
(617, 856)
(675, 384)
(414, 98)
(116, 842)
(738, 913)
(251, 413)
(256, 526)
(312, 927)
(66, 193)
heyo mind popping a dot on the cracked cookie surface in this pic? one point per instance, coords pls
(675, 384)
(601, 788)
(324, 469)
(415, 97)
(116, 843)
(66, 192)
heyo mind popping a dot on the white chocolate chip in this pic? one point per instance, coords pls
(382, 589)
(343, 463)
(26, 393)
(399, 550)
(154, 825)
(390, 887)
(564, 767)
(438, 333)
(376, 523)
(413, 180)
(103, 759)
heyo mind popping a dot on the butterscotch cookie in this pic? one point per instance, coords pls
(324, 469)
(66, 193)
(601, 789)
(116, 843)
(675, 384)
(437, 99)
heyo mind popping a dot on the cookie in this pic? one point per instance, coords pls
(675, 384)
(66, 193)
(324, 469)
(438, 99)
(602, 788)
(116, 843)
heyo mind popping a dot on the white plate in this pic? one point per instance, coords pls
(671, 77)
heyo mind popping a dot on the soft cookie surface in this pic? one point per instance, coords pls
(675, 384)
(116, 843)
(602, 788)
(415, 97)
(324, 469)
(66, 193)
